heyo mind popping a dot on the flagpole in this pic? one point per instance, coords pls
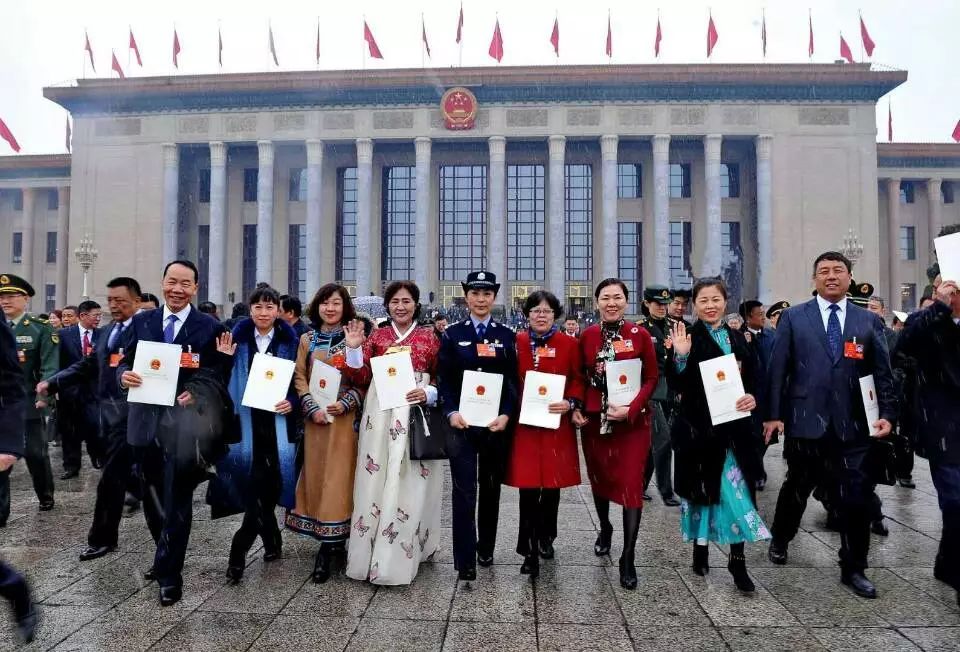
(423, 31)
(130, 29)
(809, 34)
(460, 31)
(763, 18)
(363, 51)
(86, 39)
(860, 15)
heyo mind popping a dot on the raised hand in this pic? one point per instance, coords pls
(225, 344)
(353, 334)
(682, 343)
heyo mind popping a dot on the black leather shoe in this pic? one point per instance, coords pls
(467, 574)
(150, 574)
(701, 563)
(647, 496)
(26, 616)
(68, 475)
(95, 552)
(531, 566)
(777, 553)
(628, 575)
(671, 501)
(602, 546)
(546, 549)
(486, 562)
(860, 584)
(907, 483)
(879, 528)
(738, 569)
(271, 555)
(170, 595)
(321, 568)
(834, 523)
(761, 484)
(46, 505)
(235, 573)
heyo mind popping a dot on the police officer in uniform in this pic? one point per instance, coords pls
(39, 355)
(656, 298)
(773, 312)
(477, 454)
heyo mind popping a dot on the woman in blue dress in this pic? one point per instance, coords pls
(716, 467)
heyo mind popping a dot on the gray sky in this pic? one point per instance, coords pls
(43, 43)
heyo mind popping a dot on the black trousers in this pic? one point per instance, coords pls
(661, 452)
(946, 479)
(538, 518)
(14, 589)
(78, 423)
(477, 458)
(117, 461)
(837, 467)
(259, 519)
(904, 456)
(37, 457)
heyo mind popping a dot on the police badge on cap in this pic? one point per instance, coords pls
(481, 281)
(13, 284)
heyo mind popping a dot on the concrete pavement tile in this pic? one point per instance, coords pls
(582, 638)
(264, 589)
(56, 623)
(858, 639)
(106, 587)
(726, 606)
(379, 635)
(338, 596)
(816, 599)
(576, 594)
(501, 595)
(759, 639)
(934, 639)
(661, 598)
(923, 579)
(307, 632)
(427, 598)
(672, 639)
(202, 577)
(904, 605)
(122, 630)
(209, 632)
(805, 550)
(503, 637)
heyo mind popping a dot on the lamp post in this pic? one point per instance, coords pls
(852, 248)
(86, 254)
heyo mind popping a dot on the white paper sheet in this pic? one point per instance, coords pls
(324, 385)
(539, 391)
(159, 366)
(394, 377)
(480, 397)
(723, 386)
(268, 382)
(948, 255)
(871, 406)
(623, 381)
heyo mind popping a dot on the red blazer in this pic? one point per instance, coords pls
(590, 342)
(542, 457)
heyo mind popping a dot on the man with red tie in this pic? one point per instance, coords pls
(76, 415)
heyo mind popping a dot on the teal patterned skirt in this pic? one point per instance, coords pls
(733, 520)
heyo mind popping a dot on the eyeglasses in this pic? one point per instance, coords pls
(541, 311)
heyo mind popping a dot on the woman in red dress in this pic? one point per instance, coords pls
(544, 460)
(616, 438)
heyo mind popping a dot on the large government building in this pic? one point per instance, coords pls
(551, 177)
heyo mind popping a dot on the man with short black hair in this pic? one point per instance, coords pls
(68, 316)
(760, 339)
(208, 308)
(76, 408)
(291, 310)
(149, 301)
(571, 327)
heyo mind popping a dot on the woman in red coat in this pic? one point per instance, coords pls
(544, 460)
(616, 438)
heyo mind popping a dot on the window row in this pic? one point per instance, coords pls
(16, 254)
(52, 197)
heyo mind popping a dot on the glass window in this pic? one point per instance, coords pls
(250, 176)
(525, 222)
(578, 205)
(908, 296)
(398, 232)
(729, 180)
(906, 192)
(17, 254)
(946, 191)
(18, 200)
(908, 244)
(681, 244)
(249, 279)
(49, 297)
(298, 184)
(203, 261)
(630, 261)
(346, 224)
(732, 261)
(53, 199)
(629, 183)
(297, 269)
(679, 180)
(51, 246)
(463, 220)
(203, 186)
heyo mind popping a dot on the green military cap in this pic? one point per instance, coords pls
(658, 293)
(860, 293)
(777, 308)
(13, 284)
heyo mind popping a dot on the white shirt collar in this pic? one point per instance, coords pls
(181, 316)
(267, 336)
(825, 305)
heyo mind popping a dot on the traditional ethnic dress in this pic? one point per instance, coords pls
(396, 515)
(324, 498)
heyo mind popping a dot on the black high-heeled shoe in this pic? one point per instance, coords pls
(602, 546)
(701, 560)
(738, 569)
(628, 574)
(531, 566)
(321, 567)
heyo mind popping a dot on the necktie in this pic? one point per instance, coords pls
(114, 335)
(481, 330)
(168, 333)
(86, 343)
(11, 324)
(834, 332)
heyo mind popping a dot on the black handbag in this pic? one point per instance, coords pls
(882, 462)
(428, 434)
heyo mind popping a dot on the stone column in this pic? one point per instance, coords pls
(364, 209)
(555, 280)
(934, 215)
(29, 227)
(265, 213)
(764, 145)
(422, 257)
(314, 215)
(893, 241)
(661, 209)
(609, 267)
(497, 214)
(171, 200)
(217, 258)
(63, 242)
(712, 254)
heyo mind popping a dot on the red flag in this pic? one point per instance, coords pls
(89, 50)
(6, 134)
(868, 43)
(426, 43)
(956, 132)
(889, 123)
(763, 33)
(69, 134)
(496, 43)
(460, 25)
(609, 38)
(220, 44)
(115, 65)
(712, 36)
(810, 41)
(273, 47)
(136, 50)
(371, 42)
(845, 50)
(657, 39)
(176, 48)
(555, 36)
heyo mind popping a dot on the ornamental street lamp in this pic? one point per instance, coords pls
(86, 254)
(852, 248)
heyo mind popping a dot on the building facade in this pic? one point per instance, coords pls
(566, 175)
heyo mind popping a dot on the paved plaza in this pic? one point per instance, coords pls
(577, 604)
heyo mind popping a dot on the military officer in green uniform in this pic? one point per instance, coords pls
(39, 356)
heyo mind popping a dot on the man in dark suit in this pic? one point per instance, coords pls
(76, 406)
(477, 454)
(822, 350)
(168, 440)
(98, 371)
(760, 340)
(291, 310)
